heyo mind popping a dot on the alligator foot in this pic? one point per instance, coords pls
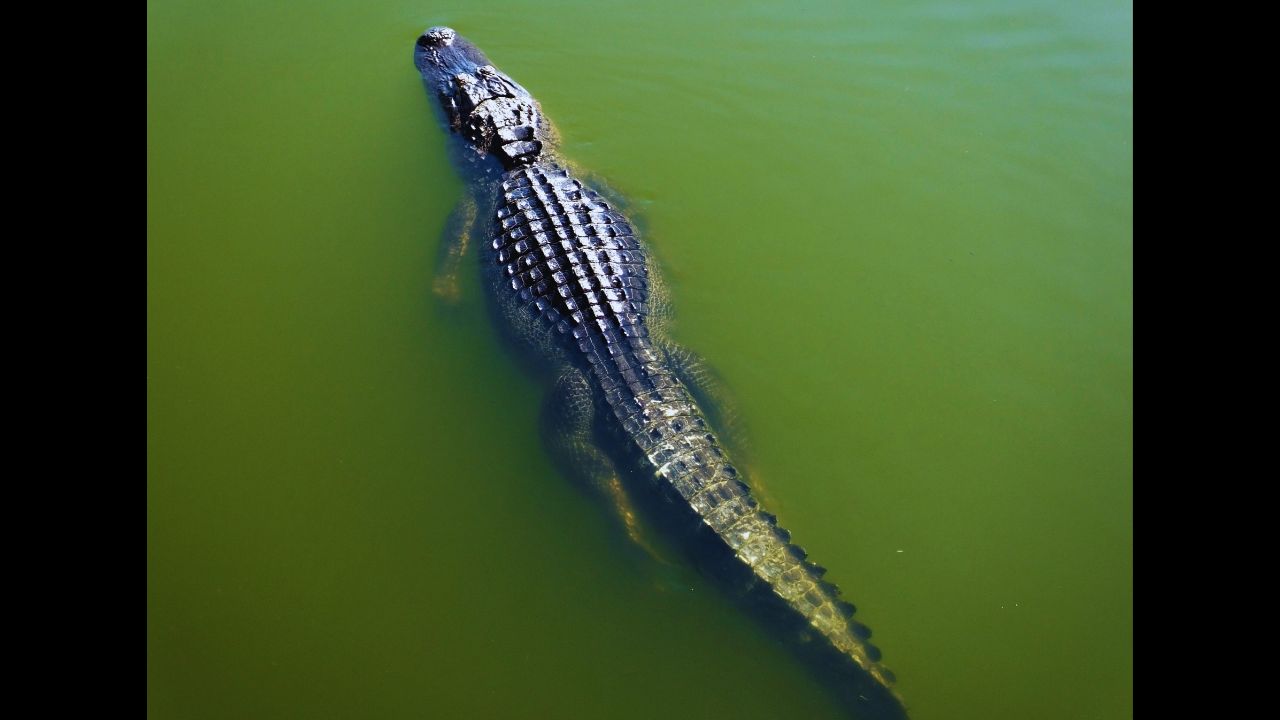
(621, 503)
(447, 289)
(568, 419)
(454, 241)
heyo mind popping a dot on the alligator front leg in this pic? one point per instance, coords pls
(597, 182)
(455, 239)
(568, 419)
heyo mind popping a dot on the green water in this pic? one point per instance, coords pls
(901, 230)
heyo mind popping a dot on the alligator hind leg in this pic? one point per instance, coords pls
(568, 421)
(714, 396)
(455, 239)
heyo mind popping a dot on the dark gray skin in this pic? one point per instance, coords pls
(576, 291)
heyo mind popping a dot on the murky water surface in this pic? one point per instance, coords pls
(901, 230)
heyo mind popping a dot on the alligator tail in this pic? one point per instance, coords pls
(752, 550)
(843, 652)
(793, 590)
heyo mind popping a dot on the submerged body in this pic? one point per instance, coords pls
(573, 285)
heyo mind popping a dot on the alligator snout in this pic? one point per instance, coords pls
(437, 37)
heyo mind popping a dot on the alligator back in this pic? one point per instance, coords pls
(576, 278)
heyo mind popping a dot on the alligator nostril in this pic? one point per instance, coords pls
(438, 36)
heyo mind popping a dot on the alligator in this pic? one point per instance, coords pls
(629, 412)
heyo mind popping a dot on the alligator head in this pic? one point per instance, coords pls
(484, 106)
